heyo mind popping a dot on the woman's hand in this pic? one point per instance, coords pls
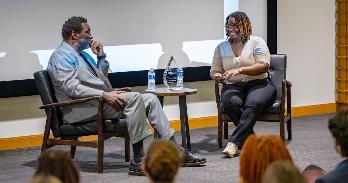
(218, 77)
(231, 73)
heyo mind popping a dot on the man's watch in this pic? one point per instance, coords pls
(240, 70)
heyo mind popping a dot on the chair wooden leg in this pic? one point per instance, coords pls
(100, 161)
(225, 130)
(288, 126)
(73, 149)
(220, 126)
(47, 130)
(282, 130)
(127, 149)
(44, 141)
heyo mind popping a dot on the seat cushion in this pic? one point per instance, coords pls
(90, 128)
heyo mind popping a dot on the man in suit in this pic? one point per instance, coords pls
(75, 74)
(338, 126)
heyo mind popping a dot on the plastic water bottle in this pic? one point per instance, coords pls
(151, 80)
(179, 78)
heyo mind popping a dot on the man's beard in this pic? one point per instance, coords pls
(84, 44)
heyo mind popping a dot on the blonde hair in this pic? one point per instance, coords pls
(44, 178)
(282, 172)
(257, 153)
(162, 161)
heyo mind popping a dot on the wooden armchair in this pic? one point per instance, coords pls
(279, 112)
(68, 134)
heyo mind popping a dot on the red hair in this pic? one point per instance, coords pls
(257, 153)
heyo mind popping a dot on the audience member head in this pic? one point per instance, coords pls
(240, 23)
(257, 153)
(162, 162)
(282, 172)
(58, 163)
(42, 178)
(312, 172)
(73, 24)
(338, 126)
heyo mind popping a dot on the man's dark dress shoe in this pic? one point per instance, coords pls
(135, 169)
(189, 159)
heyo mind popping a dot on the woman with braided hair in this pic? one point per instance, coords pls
(241, 63)
(258, 152)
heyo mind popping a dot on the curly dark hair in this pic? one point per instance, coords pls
(338, 126)
(72, 24)
(243, 23)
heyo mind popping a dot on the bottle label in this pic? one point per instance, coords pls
(179, 74)
(151, 76)
(180, 79)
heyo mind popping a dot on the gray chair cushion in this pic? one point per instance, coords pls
(277, 72)
(90, 128)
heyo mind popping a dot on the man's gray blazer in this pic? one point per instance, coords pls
(73, 78)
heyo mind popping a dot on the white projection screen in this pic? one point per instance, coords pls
(136, 34)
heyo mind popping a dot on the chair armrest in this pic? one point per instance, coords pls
(286, 89)
(217, 92)
(218, 99)
(76, 101)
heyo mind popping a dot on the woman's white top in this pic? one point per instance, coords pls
(255, 51)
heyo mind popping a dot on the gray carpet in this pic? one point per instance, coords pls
(311, 144)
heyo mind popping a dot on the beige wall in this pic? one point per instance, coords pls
(306, 33)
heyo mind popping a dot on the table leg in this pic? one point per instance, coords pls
(155, 133)
(185, 130)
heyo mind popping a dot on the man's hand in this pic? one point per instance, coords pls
(97, 48)
(218, 77)
(114, 99)
(125, 89)
(231, 73)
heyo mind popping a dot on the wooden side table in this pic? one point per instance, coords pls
(185, 130)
